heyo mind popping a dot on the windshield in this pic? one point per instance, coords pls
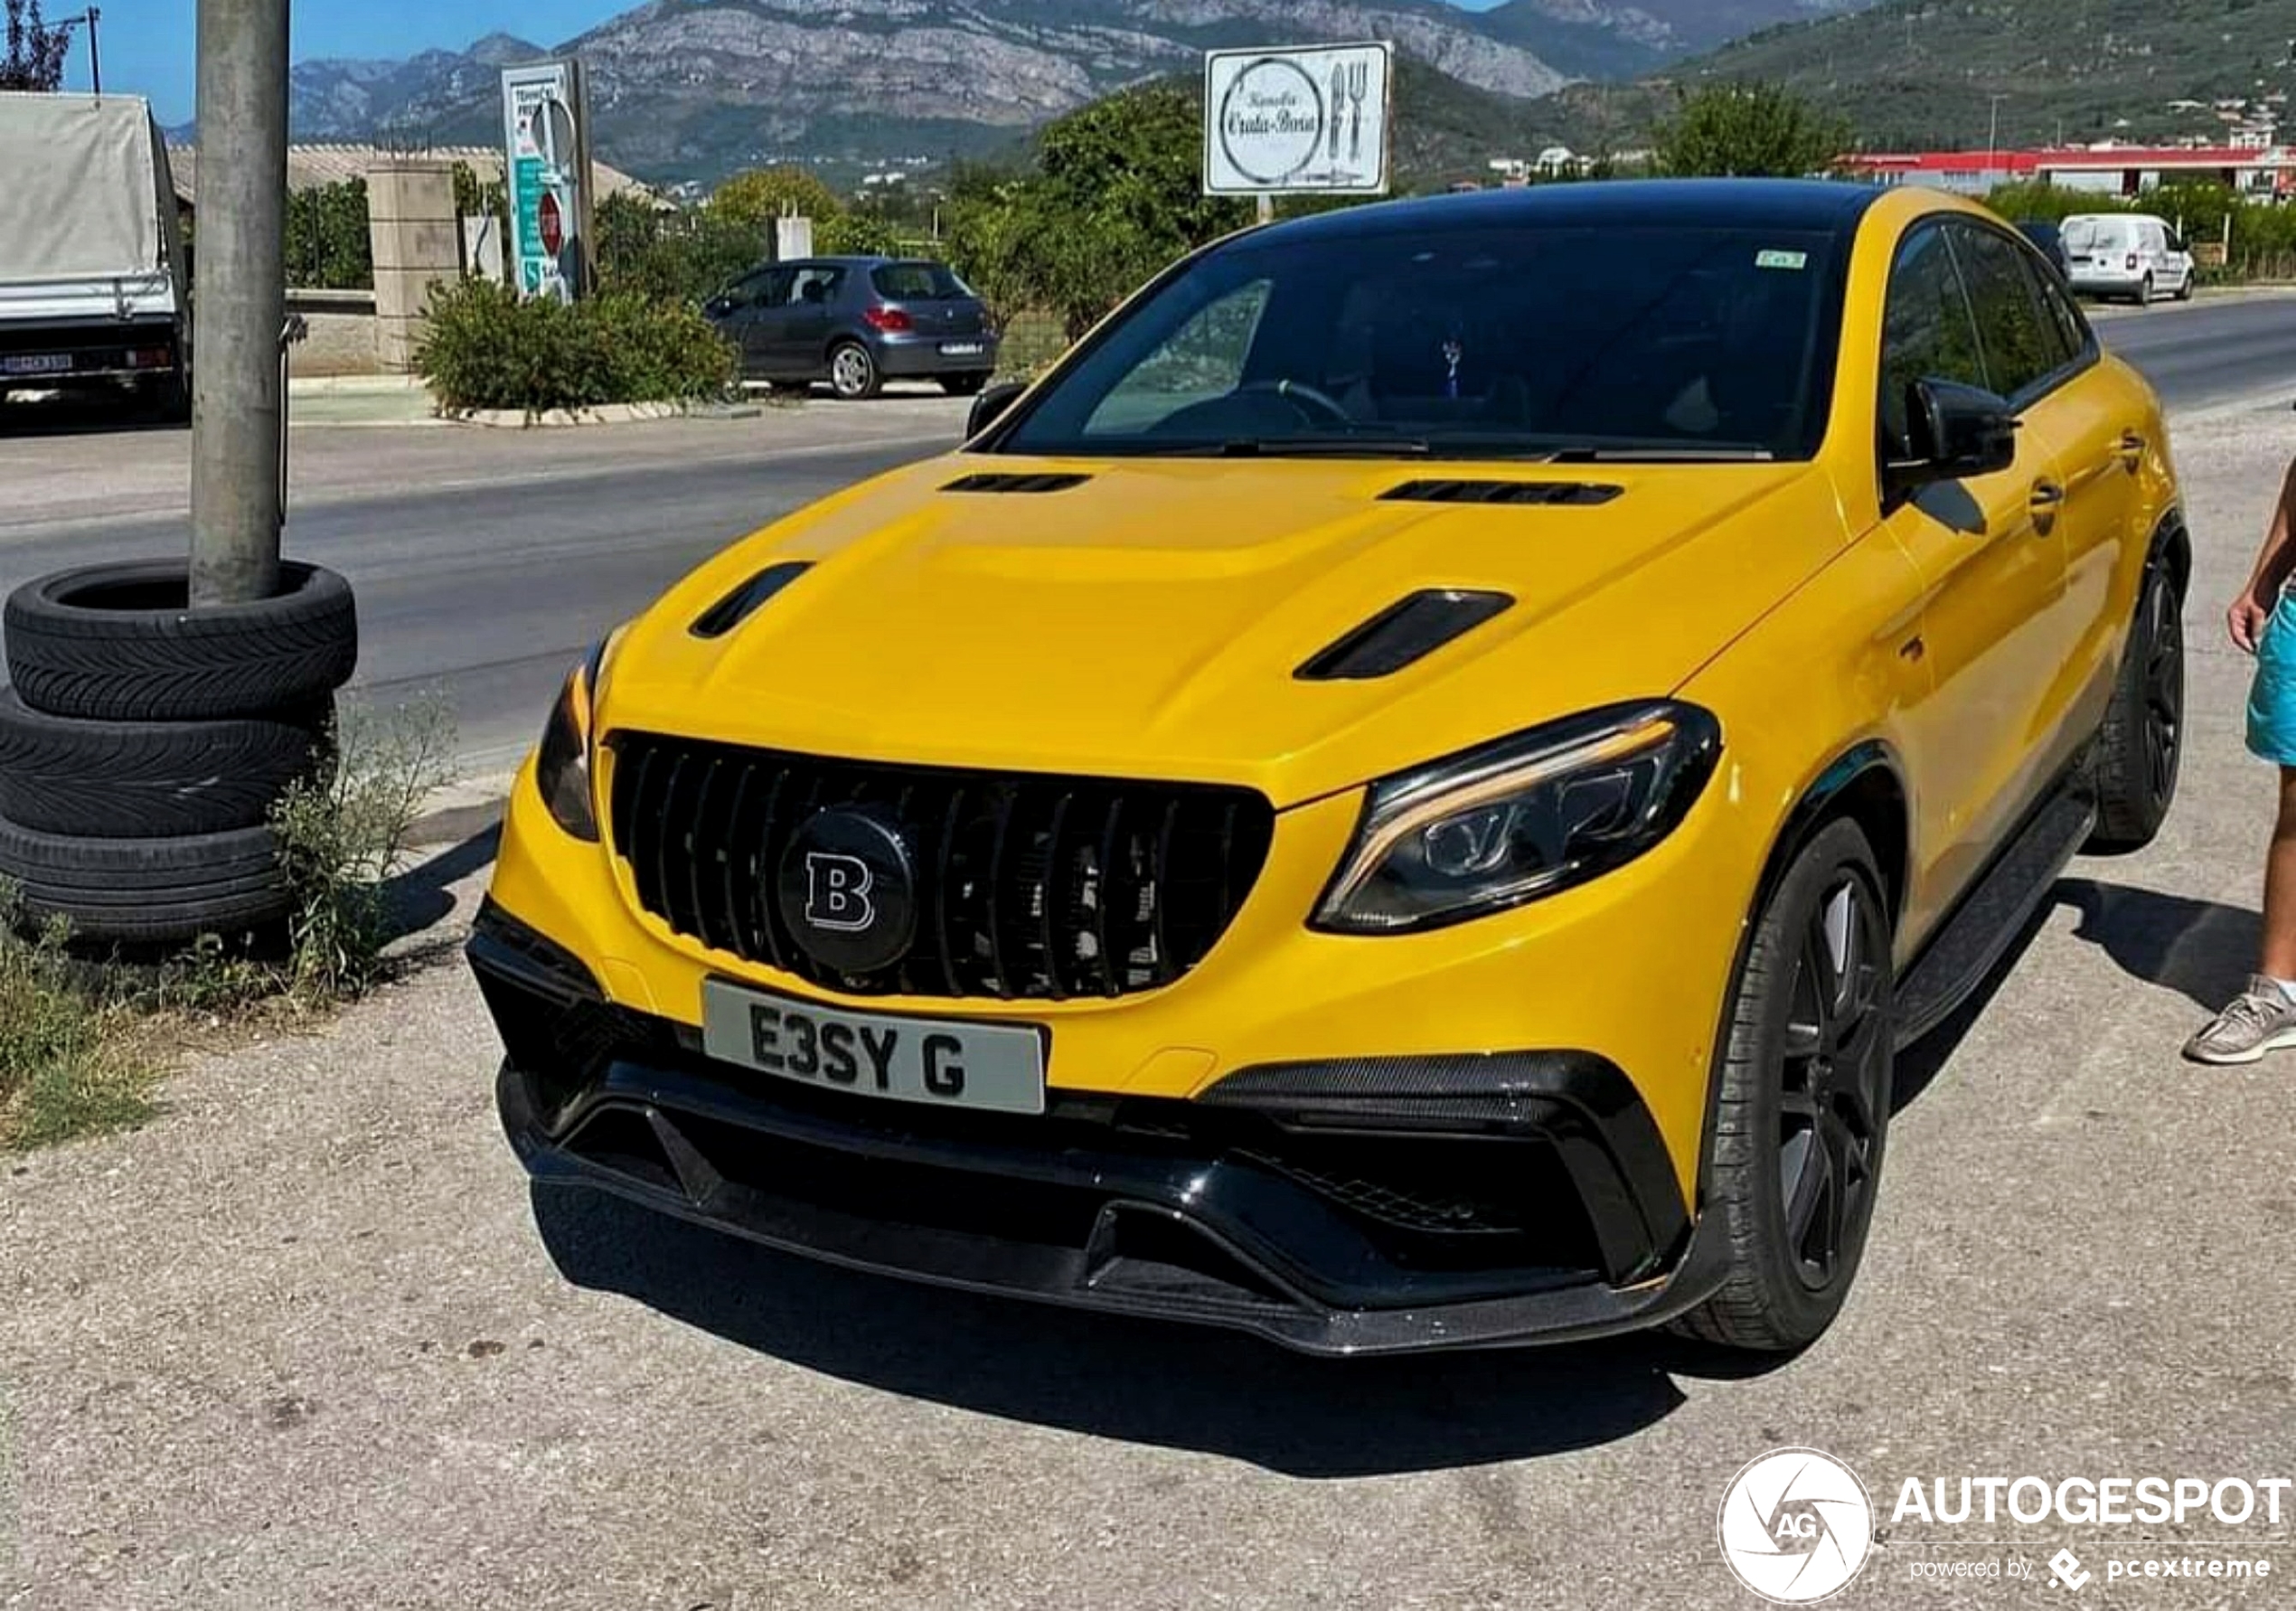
(1662, 340)
(918, 282)
(2086, 234)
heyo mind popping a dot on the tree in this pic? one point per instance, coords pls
(35, 54)
(1116, 195)
(1749, 131)
(763, 195)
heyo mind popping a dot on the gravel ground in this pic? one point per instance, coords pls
(307, 1342)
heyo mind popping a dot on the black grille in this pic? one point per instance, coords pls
(1031, 886)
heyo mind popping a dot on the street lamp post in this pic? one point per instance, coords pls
(1993, 135)
(238, 392)
(95, 59)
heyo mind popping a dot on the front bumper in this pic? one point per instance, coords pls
(1380, 1205)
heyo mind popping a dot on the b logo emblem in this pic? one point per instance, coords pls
(847, 889)
(837, 893)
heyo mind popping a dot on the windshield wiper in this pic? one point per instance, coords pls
(1661, 452)
(1363, 447)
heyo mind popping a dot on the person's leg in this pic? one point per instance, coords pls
(2263, 1017)
(2279, 958)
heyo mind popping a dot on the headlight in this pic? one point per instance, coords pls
(1539, 812)
(562, 765)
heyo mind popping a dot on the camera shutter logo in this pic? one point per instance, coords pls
(1796, 1526)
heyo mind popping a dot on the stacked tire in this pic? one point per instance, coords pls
(144, 745)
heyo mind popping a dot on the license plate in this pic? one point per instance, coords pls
(990, 1067)
(36, 363)
(961, 349)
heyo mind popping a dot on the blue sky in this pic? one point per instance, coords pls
(147, 44)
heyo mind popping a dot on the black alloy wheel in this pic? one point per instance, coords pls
(1834, 1078)
(1803, 1103)
(2138, 757)
(2164, 691)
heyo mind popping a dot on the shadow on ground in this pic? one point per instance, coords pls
(2201, 949)
(1180, 1386)
(82, 417)
(423, 895)
(1140, 1381)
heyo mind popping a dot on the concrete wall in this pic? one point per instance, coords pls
(418, 243)
(343, 333)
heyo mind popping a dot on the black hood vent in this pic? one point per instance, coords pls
(1408, 630)
(745, 600)
(995, 481)
(1578, 493)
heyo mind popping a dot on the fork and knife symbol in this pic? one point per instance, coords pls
(1350, 84)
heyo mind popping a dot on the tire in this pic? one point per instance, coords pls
(2139, 747)
(148, 891)
(168, 400)
(1792, 1266)
(150, 780)
(2184, 291)
(968, 385)
(2144, 293)
(116, 643)
(852, 372)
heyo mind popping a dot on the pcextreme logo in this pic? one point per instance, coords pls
(1796, 1525)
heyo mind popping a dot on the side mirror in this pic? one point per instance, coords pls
(990, 405)
(1956, 433)
(717, 308)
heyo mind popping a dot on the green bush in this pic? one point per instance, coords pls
(486, 348)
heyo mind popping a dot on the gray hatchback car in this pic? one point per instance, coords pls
(858, 322)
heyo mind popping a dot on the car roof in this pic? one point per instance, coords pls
(1798, 205)
(850, 262)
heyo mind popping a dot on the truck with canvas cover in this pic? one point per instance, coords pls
(93, 286)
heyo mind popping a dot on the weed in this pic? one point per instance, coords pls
(341, 834)
(69, 1065)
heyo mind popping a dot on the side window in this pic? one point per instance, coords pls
(2020, 349)
(769, 289)
(1201, 362)
(1927, 332)
(2073, 337)
(817, 287)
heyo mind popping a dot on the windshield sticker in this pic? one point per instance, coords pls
(1781, 259)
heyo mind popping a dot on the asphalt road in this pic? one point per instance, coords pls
(2209, 352)
(484, 563)
(486, 589)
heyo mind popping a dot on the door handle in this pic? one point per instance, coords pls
(2047, 498)
(2130, 449)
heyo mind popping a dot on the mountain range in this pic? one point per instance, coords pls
(1911, 73)
(694, 89)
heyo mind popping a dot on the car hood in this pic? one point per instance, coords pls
(1150, 620)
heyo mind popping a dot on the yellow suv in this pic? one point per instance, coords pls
(1404, 795)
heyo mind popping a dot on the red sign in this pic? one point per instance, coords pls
(553, 224)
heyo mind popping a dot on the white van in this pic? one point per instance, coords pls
(2126, 254)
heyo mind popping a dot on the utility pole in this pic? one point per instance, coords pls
(1993, 135)
(95, 59)
(239, 309)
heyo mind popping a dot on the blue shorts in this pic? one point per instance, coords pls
(2271, 696)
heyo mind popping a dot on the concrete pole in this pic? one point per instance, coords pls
(240, 305)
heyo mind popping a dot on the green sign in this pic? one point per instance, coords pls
(547, 169)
